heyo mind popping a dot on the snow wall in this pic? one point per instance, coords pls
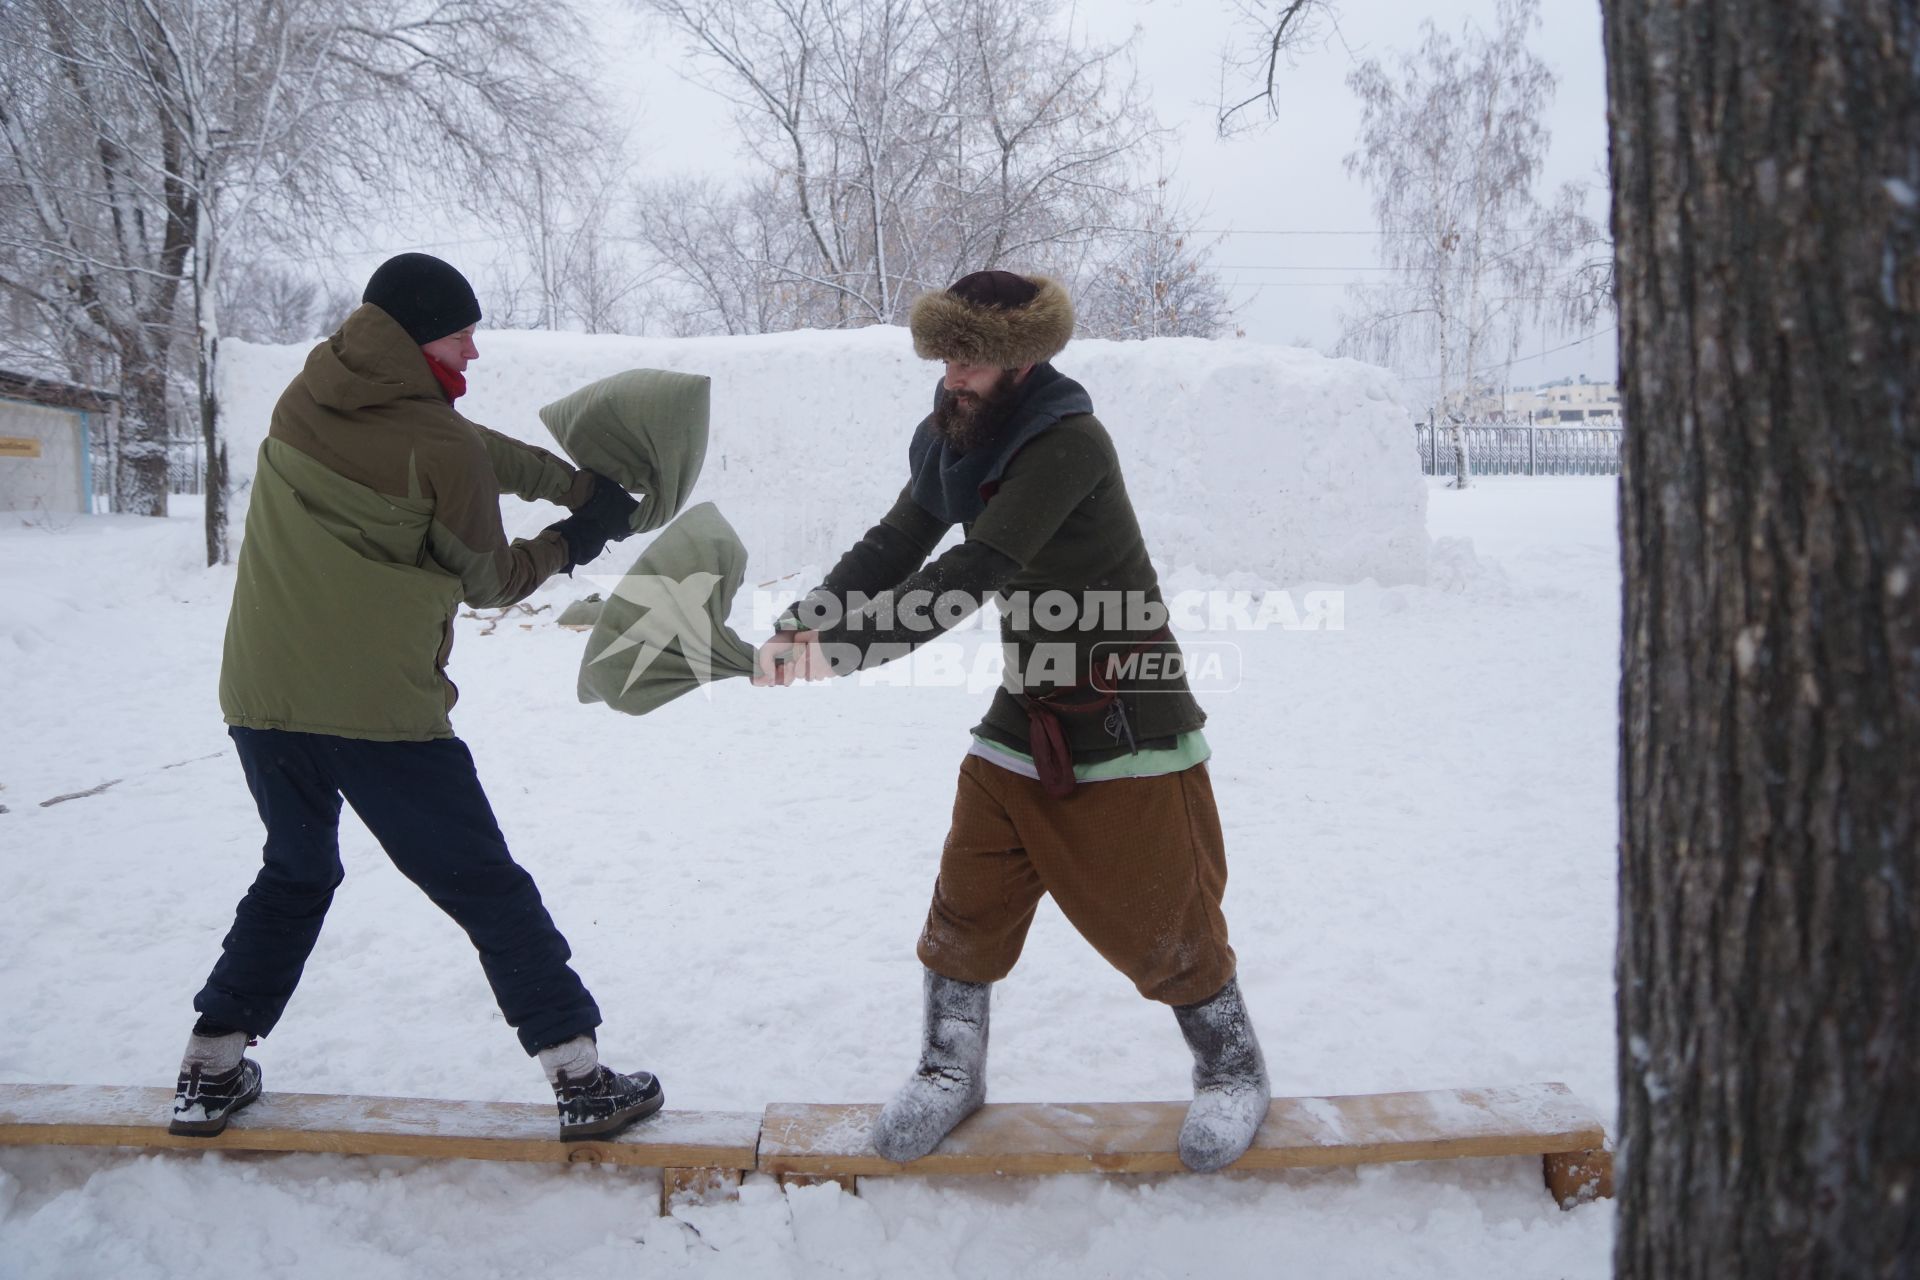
(1241, 458)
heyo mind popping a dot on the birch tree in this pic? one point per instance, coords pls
(143, 136)
(1451, 142)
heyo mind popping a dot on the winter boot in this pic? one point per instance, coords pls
(951, 1081)
(216, 1080)
(595, 1101)
(1230, 1091)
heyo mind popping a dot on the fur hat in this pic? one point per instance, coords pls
(993, 318)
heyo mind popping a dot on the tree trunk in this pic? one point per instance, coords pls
(215, 487)
(1765, 166)
(206, 332)
(140, 470)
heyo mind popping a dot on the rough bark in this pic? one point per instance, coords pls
(140, 478)
(1766, 155)
(215, 488)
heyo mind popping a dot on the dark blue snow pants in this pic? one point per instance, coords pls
(422, 801)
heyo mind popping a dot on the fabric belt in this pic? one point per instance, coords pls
(1047, 736)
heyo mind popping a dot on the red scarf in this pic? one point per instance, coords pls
(451, 381)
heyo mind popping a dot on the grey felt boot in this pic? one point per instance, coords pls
(951, 1081)
(1230, 1091)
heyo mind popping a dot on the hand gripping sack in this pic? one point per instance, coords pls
(663, 629)
(645, 428)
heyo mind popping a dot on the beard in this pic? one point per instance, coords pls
(966, 421)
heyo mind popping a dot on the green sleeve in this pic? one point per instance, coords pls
(529, 472)
(891, 550)
(922, 528)
(1038, 491)
(465, 536)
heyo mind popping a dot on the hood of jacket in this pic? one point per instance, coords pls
(370, 360)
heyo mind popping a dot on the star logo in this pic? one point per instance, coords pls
(675, 621)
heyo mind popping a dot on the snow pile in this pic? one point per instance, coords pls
(1276, 462)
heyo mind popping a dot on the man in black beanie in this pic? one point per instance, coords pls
(427, 297)
(375, 514)
(1087, 778)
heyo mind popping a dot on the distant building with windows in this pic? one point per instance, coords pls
(1572, 400)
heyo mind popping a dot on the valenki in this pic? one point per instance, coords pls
(1086, 779)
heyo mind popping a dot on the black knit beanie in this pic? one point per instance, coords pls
(427, 296)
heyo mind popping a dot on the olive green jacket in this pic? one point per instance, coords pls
(375, 514)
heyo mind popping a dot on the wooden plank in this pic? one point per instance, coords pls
(114, 1116)
(682, 1187)
(1142, 1137)
(1579, 1177)
(847, 1182)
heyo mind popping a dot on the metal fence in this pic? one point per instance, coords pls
(1493, 449)
(1522, 449)
(186, 465)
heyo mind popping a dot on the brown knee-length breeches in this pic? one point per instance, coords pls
(1137, 865)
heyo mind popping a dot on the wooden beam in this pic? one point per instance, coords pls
(1142, 1137)
(1579, 1177)
(847, 1182)
(682, 1187)
(703, 1153)
(109, 1116)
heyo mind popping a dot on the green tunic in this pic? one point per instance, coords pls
(1057, 520)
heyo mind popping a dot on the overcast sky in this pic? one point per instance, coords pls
(1262, 187)
(1297, 228)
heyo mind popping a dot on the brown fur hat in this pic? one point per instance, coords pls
(993, 318)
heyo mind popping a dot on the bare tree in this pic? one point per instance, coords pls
(1046, 140)
(568, 268)
(264, 303)
(1154, 281)
(1451, 141)
(144, 136)
(903, 142)
(1769, 948)
(730, 256)
(1585, 294)
(1266, 33)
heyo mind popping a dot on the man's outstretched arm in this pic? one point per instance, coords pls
(1040, 489)
(885, 555)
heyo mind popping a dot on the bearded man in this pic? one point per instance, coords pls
(1087, 778)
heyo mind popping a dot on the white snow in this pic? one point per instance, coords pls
(1419, 811)
(1313, 455)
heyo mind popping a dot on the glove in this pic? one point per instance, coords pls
(610, 507)
(584, 538)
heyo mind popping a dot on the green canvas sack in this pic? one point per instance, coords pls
(663, 629)
(645, 428)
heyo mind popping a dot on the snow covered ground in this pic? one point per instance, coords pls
(1420, 821)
